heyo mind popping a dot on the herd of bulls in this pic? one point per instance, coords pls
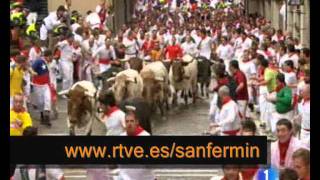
(146, 85)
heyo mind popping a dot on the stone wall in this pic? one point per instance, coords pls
(298, 18)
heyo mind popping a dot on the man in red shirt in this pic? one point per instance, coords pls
(242, 88)
(173, 51)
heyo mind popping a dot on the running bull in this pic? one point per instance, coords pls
(82, 106)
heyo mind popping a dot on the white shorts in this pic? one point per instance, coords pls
(42, 96)
(305, 137)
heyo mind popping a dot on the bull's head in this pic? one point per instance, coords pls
(78, 102)
(177, 71)
(120, 86)
(152, 86)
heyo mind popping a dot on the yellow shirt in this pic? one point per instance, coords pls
(155, 55)
(16, 78)
(24, 117)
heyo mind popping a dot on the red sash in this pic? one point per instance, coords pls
(104, 61)
(231, 132)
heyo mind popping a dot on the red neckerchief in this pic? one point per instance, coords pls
(37, 49)
(305, 100)
(248, 173)
(281, 86)
(290, 70)
(20, 111)
(283, 147)
(245, 61)
(111, 110)
(261, 71)
(307, 178)
(139, 129)
(300, 75)
(24, 53)
(224, 178)
(268, 53)
(75, 46)
(226, 100)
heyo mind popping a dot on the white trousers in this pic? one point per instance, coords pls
(263, 104)
(305, 137)
(242, 104)
(27, 87)
(67, 74)
(43, 33)
(42, 97)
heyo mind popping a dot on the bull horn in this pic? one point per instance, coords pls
(134, 80)
(111, 79)
(87, 93)
(64, 92)
(159, 79)
(130, 108)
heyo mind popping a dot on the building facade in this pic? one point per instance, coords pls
(296, 18)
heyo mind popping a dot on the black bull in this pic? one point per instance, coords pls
(204, 74)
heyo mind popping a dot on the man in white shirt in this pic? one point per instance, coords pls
(131, 46)
(104, 55)
(93, 20)
(228, 118)
(291, 55)
(247, 42)
(102, 11)
(304, 116)
(66, 61)
(189, 47)
(205, 45)
(131, 172)
(50, 22)
(237, 45)
(248, 67)
(225, 51)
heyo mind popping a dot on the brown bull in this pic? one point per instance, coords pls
(155, 90)
(81, 106)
